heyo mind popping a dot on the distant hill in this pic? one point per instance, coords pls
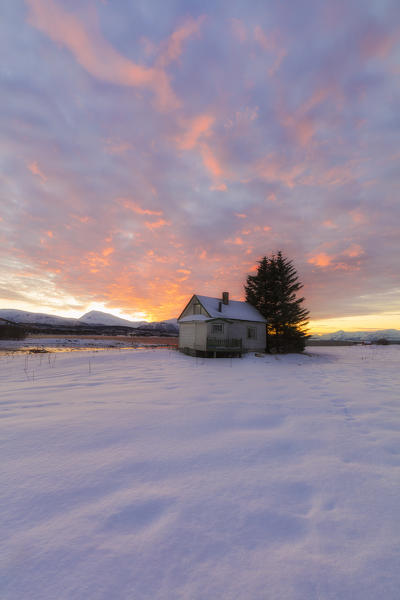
(97, 317)
(392, 335)
(91, 319)
(22, 316)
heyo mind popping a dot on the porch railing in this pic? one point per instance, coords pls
(224, 343)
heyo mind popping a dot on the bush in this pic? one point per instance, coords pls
(382, 342)
(9, 331)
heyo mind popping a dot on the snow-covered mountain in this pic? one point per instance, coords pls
(94, 317)
(23, 316)
(358, 336)
(97, 317)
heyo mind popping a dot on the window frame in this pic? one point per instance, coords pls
(217, 328)
(251, 332)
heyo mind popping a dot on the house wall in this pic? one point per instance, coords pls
(193, 335)
(186, 335)
(239, 329)
(201, 335)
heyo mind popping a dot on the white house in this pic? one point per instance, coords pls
(220, 327)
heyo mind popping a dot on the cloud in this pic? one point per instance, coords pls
(172, 48)
(95, 54)
(321, 260)
(239, 30)
(35, 170)
(277, 130)
(270, 43)
(136, 208)
(195, 128)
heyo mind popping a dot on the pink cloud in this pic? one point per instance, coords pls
(136, 208)
(353, 251)
(95, 54)
(329, 224)
(211, 162)
(270, 44)
(156, 224)
(321, 260)
(35, 170)
(358, 217)
(172, 48)
(377, 43)
(274, 168)
(195, 128)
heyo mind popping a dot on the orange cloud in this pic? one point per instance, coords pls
(108, 251)
(197, 127)
(210, 161)
(354, 251)
(34, 168)
(95, 54)
(156, 224)
(134, 207)
(50, 234)
(321, 260)
(219, 187)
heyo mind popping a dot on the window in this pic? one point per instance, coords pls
(217, 328)
(196, 308)
(252, 333)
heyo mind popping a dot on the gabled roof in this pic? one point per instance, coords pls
(242, 311)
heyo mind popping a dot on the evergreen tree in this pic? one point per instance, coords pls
(273, 292)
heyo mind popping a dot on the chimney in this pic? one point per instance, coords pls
(225, 297)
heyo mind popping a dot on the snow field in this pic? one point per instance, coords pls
(154, 475)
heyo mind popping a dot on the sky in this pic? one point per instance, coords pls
(152, 150)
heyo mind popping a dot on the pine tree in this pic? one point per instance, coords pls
(273, 292)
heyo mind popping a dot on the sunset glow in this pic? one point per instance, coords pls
(151, 154)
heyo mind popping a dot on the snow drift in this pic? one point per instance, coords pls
(153, 475)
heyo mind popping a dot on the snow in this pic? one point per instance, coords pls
(190, 318)
(234, 310)
(97, 317)
(388, 334)
(154, 475)
(22, 316)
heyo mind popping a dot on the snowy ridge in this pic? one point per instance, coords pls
(94, 317)
(388, 334)
(97, 317)
(22, 316)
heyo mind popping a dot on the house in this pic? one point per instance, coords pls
(220, 327)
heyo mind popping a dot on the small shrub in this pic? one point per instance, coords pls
(10, 331)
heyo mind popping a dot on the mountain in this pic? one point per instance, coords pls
(22, 316)
(94, 317)
(358, 336)
(97, 317)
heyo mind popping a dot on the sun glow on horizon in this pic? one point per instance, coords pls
(371, 322)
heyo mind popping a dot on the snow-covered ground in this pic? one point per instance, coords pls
(131, 475)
